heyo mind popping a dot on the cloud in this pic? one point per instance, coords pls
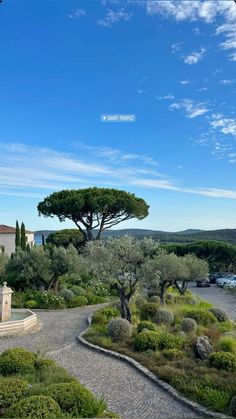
(76, 14)
(191, 108)
(226, 82)
(229, 31)
(223, 124)
(176, 47)
(112, 17)
(165, 97)
(184, 82)
(195, 57)
(33, 172)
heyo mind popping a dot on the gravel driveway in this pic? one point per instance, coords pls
(125, 390)
(219, 297)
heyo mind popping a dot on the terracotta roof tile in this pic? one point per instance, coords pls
(10, 230)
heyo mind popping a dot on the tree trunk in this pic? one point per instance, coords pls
(89, 232)
(124, 307)
(53, 286)
(162, 293)
(181, 288)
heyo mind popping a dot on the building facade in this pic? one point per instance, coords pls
(7, 239)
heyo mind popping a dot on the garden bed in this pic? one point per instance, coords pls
(166, 343)
(32, 386)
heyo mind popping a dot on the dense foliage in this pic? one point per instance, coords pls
(93, 208)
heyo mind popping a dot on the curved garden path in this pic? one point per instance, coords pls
(125, 390)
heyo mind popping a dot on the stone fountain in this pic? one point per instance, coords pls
(13, 321)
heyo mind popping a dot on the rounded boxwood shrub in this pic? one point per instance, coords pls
(164, 316)
(78, 301)
(16, 361)
(173, 354)
(145, 340)
(201, 316)
(220, 314)
(170, 298)
(67, 294)
(227, 344)
(232, 406)
(168, 340)
(31, 304)
(119, 329)
(11, 390)
(75, 399)
(35, 407)
(155, 299)
(188, 325)
(146, 325)
(140, 301)
(77, 290)
(149, 311)
(223, 361)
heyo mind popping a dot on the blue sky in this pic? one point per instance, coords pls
(65, 63)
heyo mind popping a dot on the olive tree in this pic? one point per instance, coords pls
(196, 268)
(93, 210)
(119, 262)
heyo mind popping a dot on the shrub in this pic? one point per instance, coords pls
(103, 316)
(30, 304)
(146, 340)
(173, 354)
(48, 300)
(232, 407)
(164, 316)
(67, 294)
(119, 329)
(189, 325)
(146, 325)
(149, 311)
(170, 298)
(16, 361)
(220, 314)
(75, 399)
(227, 344)
(155, 299)
(223, 360)
(78, 301)
(78, 290)
(140, 301)
(204, 317)
(35, 407)
(168, 340)
(11, 390)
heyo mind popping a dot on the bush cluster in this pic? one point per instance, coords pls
(11, 390)
(103, 316)
(164, 316)
(119, 329)
(169, 340)
(146, 340)
(201, 316)
(145, 324)
(173, 354)
(227, 344)
(149, 311)
(35, 407)
(220, 314)
(155, 299)
(189, 325)
(16, 361)
(140, 301)
(223, 360)
(78, 301)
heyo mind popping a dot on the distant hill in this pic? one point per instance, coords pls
(186, 236)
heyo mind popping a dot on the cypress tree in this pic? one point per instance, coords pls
(17, 237)
(43, 240)
(22, 237)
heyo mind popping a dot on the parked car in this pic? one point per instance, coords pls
(216, 275)
(205, 282)
(231, 283)
(222, 281)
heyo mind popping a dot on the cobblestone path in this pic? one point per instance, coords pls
(125, 390)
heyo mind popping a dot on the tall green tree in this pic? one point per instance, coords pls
(66, 237)
(17, 237)
(93, 210)
(22, 237)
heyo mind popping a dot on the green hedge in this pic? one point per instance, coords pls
(16, 361)
(35, 407)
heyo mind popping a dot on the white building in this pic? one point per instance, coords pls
(7, 239)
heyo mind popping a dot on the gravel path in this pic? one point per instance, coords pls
(125, 390)
(218, 296)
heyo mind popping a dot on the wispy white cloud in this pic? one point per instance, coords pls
(226, 82)
(191, 108)
(184, 82)
(32, 172)
(195, 57)
(114, 16)
(76, 14)
(165, 97)
(223, 124)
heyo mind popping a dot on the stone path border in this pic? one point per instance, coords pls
(148, 374)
